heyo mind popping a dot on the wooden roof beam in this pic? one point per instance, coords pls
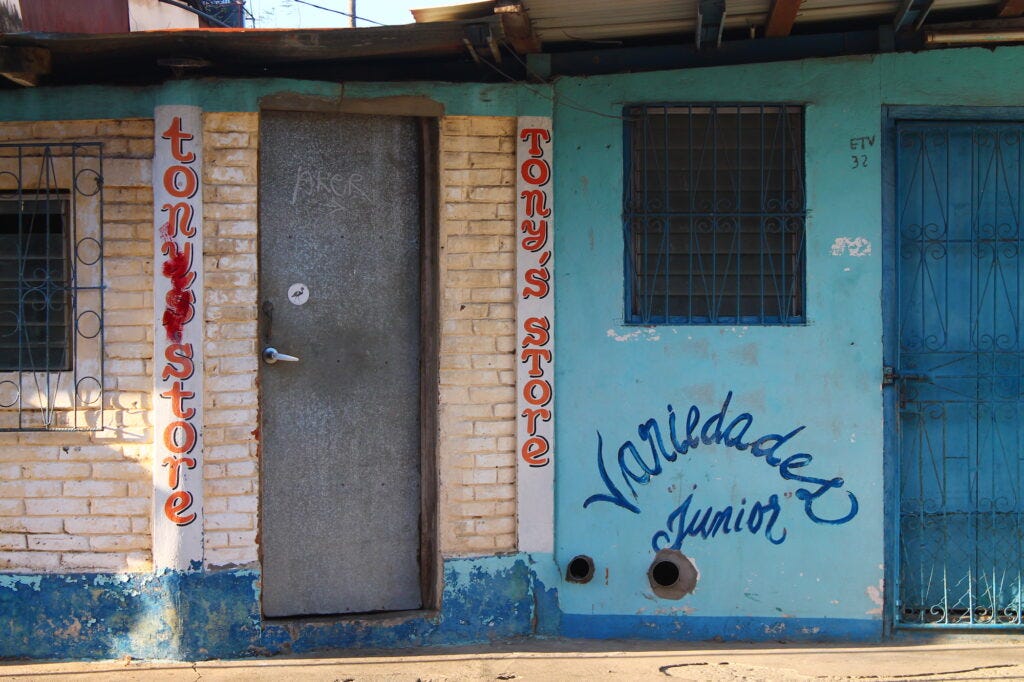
(516, 25)
(1011, 8)
(24, 65)
(781, 18)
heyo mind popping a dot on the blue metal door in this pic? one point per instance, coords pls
(957, 373)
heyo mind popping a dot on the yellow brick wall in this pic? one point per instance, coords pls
(476, 444)
(231, 473)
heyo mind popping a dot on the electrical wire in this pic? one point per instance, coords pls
(556, 99)
(573, 104)
(338, 11)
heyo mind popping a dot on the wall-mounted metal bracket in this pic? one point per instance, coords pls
(890, 376)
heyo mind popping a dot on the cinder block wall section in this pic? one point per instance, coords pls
(231, 473)
(80, 501)
(476, 445)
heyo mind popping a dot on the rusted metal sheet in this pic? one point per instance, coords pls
(70, 16)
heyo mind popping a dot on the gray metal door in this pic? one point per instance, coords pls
(958, 373)
(339, 289)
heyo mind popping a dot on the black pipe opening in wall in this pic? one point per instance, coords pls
(665, 573)
(672, 574)
(580, 569)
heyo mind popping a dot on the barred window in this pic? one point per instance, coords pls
(34, 277)
(51, 286)
(714, 214)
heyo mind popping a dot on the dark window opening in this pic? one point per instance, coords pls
(714, 214)
(35, 283)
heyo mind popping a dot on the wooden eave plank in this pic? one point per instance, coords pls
(781, 18)
(264, 46)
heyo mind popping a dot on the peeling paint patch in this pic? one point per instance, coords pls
(13, 582)
(673, 610)
(851, 246)
(740, 332)
(645, 334)
(195, 615)
(874, 593)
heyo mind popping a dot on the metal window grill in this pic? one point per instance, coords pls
(51, 287)
(714, 214)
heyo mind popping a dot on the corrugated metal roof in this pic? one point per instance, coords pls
(614, 34)
(559, 21)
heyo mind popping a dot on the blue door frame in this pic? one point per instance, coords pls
(892, 116)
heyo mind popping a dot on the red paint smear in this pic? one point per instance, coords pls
(179, 311)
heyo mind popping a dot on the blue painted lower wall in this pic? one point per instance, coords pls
(194, 616)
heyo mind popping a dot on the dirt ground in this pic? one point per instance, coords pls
(951, 658)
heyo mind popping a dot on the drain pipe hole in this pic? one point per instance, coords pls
(580, 570)
(665, 573)
(672, 574)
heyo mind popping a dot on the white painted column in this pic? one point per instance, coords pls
(535, 330)
(178, 338)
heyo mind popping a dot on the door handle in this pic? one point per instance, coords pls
(270, 356)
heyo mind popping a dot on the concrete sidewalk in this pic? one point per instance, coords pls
(953, 658)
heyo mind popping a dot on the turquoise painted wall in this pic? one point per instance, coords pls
(87, 102)
(824, 376)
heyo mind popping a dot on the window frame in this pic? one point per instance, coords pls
(61, 198)
(632, 314)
